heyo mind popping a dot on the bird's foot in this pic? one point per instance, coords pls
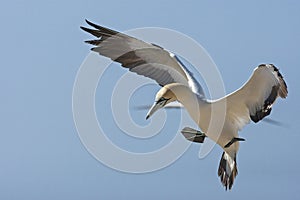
(193, 135)
(233, 140)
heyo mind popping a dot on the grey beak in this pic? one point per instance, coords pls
(153, 109)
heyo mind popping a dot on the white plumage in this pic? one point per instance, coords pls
(253, 101)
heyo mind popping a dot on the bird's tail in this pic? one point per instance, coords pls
(227, 170)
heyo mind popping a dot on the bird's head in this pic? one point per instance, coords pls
(164, 96)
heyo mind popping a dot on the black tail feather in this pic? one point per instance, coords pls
(227, 170)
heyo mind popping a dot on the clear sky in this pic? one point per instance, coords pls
(42, 49)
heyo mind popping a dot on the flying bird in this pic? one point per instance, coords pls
(253, 101)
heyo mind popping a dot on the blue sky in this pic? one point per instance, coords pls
(42, 49)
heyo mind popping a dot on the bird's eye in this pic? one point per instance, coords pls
(162, 101)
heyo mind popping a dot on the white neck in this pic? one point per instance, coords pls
(198, 108)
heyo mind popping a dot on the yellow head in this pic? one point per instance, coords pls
(164, 96)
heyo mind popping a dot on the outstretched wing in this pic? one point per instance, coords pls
(143, 58)
(255, 98)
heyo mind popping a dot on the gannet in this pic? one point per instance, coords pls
(253, 101)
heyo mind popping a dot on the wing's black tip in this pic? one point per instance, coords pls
(90, 23)
(84, 28)
(93, 32)
(94, 25)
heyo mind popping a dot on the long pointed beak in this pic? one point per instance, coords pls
(153, 109)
